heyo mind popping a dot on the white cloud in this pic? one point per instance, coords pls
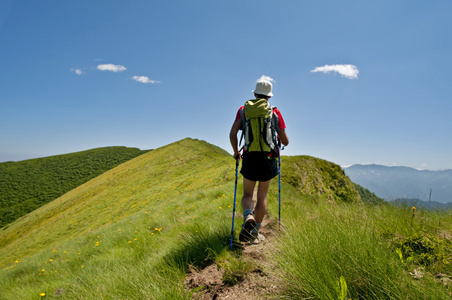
(77, 71)
(347, 71)
(111, 68)
(265, 77)
(144, 79)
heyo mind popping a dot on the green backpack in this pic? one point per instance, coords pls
(258, 126)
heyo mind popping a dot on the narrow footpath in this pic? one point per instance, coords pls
(260, 283)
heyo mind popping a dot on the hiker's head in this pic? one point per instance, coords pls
(263, 89)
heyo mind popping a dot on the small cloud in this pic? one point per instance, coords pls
(347, 71)
(111, 68)
(266, 78)
(77, 71)
(144, 79)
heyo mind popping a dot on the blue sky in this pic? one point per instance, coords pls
(77, 75)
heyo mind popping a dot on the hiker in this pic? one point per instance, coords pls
(259, 158)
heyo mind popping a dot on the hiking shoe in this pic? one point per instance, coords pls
(245, 233)
(259, 238)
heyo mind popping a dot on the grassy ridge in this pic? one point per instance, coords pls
(320, 179)
(134, 231)
(150, 179)
(29, 184)
(145, 219)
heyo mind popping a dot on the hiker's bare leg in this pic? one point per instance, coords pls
(248, 189)
(261, 205)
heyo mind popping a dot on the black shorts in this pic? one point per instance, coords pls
(258, 166)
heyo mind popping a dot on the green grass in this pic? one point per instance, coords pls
(131, 232)
(144, 256)
(29, 184)
(325, 242)
(134, 231)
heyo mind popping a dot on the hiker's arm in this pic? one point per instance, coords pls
(233, 138)
(282, 135)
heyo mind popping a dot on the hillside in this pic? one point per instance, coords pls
(152, 226)
(391, 183)
(155, 178)
(29, 184)
(320, 179)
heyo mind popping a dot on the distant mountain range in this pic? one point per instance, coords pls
(429, 205)
(391, 183)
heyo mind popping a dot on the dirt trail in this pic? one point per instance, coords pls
(260, 283)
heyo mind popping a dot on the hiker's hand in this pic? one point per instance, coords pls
(237, 156)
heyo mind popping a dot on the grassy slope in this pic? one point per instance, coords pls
(327, 243)
(29, 184)
(168, 189)
(132, 232)
(148, 181)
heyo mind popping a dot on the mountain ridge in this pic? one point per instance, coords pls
(138, 230)
(154, 177)
(395, 182)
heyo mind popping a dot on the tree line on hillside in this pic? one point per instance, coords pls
(29, 184)
(368, 197)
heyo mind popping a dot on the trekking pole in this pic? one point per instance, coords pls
(279, 177)
(235, 194)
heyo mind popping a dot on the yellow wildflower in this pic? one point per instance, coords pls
(42, 294)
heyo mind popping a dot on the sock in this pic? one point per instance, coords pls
(247, 212)
(257, 226)
(255, 230)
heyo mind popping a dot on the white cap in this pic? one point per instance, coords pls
(264, 87)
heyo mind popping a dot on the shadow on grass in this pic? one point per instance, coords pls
(201, 249)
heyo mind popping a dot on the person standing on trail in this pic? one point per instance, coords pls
(259, 121)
